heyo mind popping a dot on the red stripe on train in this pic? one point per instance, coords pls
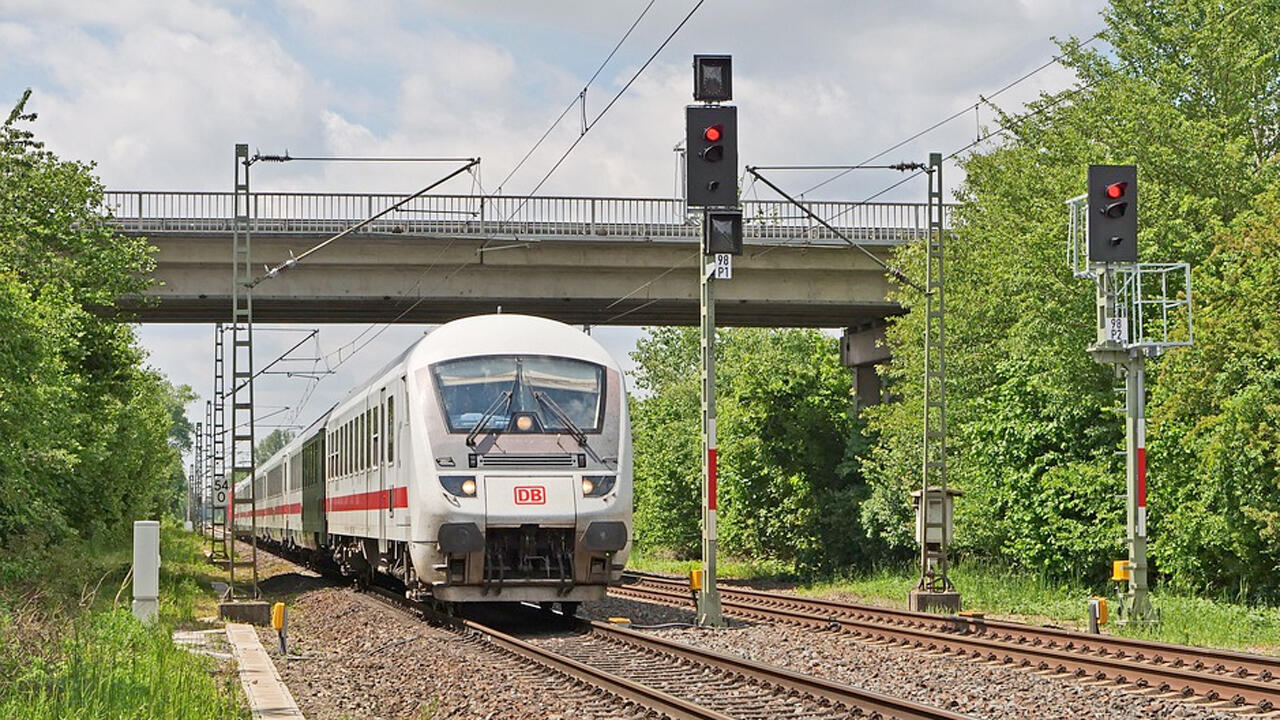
(375, 500)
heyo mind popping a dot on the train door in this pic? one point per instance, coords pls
(402, 441)
(384, 494)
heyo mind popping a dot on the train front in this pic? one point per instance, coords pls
(525, 491)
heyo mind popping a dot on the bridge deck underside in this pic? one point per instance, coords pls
(410, 278)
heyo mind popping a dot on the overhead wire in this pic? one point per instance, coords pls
(959, 113)
(579, 98)
(614, 101)
(889, 188)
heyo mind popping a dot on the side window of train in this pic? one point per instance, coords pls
(391, 429)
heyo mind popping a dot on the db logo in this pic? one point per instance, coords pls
(531, 495)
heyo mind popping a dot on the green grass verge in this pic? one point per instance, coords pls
(71, 648)
(110, 665)
(1185, 619)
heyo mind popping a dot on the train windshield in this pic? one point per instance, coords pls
(564, 394)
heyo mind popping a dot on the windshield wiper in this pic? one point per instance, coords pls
(574, 430)
(506, 395)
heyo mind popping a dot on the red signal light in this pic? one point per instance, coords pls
(1115, 190)
(713, 133)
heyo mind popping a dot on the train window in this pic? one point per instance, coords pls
(391, 429)
(377, 435)
(371, 437)
(552, 388)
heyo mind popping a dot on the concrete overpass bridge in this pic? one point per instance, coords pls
(582, 260)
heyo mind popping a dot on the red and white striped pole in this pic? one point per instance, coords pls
(1137, 601)
(709, 613)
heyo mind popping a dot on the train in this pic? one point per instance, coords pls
(489, 462)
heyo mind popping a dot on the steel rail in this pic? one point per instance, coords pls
(653, 699)
(1179, 670)
(872, 703)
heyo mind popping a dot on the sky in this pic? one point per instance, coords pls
(157, 92)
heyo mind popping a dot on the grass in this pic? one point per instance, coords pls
(71, 648)
(728, 568)
(1185, 619)
(110, 665)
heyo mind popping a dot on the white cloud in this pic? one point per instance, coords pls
(158, 91)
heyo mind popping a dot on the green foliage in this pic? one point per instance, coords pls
(1216, 414)
(87, 428)
(272, 444)
(789, 474)
(1185, 91)
(110, 665)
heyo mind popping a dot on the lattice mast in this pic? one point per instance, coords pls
(243, 464)
(933, 476)
(218, 494)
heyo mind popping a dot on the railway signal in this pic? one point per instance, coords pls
(1103, 247)
(712, 78)
(1113, 213)
(711, 183)
(711, 137)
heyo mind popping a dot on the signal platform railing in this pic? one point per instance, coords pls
(482, 216)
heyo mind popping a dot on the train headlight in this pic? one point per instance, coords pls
(460, 485)
(597, 485)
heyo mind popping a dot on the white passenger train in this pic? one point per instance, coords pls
(491, 461)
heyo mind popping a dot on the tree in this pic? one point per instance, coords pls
(1186, 92)
(789, 474)
(273, 443)
(86, 426)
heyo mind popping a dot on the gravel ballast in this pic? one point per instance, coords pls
(979, 689)
(354, 657)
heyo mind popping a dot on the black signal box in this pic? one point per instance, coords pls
(711, 144)
(712, 78)
(722, 232)
(1113, 214)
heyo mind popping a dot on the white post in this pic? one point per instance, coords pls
(146, 569)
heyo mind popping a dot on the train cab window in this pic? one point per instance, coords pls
(551, 388)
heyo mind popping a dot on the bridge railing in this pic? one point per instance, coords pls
(767, 221)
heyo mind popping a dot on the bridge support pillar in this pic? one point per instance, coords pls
(862, 348)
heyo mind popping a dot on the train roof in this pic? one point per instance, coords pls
(509, 334)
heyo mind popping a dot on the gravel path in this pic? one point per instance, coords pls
(981, 690)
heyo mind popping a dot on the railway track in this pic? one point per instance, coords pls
(681, 681)
(678, 681)
(1217, 678)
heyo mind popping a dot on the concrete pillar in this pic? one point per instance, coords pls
(862, 349)
(146, 569)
